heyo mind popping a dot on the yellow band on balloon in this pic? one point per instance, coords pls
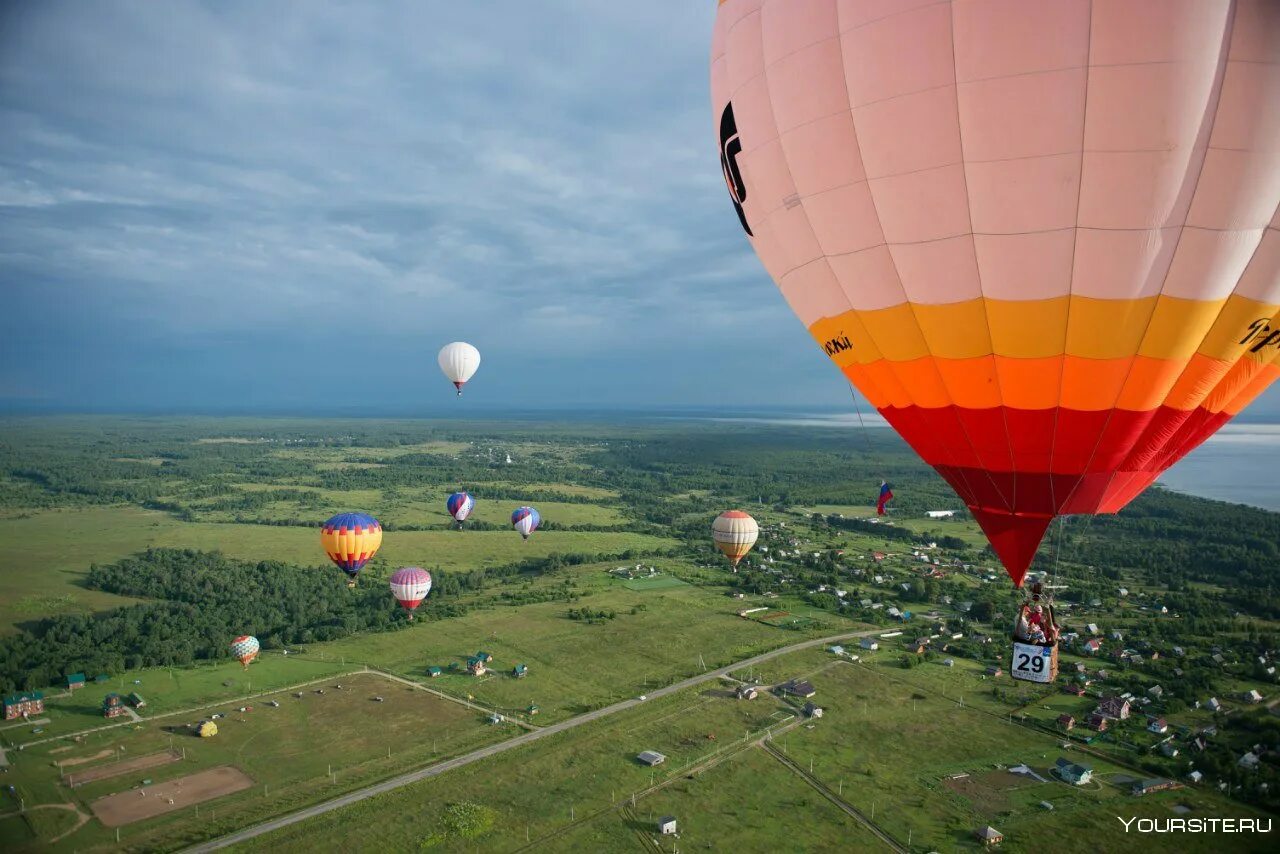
(1163, 327)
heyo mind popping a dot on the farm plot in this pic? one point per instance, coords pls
(137, 804)
(115, 769)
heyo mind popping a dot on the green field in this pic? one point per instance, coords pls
(657, 637)
(744, 804)
(288, 751)
(877, 714)
(63, 543)
(541, 790)
(659, 582)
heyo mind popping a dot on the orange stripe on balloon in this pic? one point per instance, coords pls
(1163, 327)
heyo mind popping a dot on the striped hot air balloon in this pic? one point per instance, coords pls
(410, 585)
(245, 649)
(460, 505)
(525, 520)
(1042, 238)
(735, 533)
(459, 361)
(351, 540)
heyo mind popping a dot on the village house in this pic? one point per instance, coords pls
(1153, 784)
(520, 671)
(1159, 726)
(1093, 629)
(1116, 708)
(948, 662)
(812, 710)
(1213, 705)
(1098, 722)
(23, 705)
(475, 666)
(797, 688)
(994, 671)
(1093, 646)
(919, 645)
(1253, 696)
(1195, 776)
(746, 692)
(667, 825)
(1168, 749)
(112, 706)
(135, 700)
(988, 835)
(651, 758)
(1066, 723)
(1070, 772)
(1156, 691)
(1249, 761)
(74, 681)
(434, 671)
(869, 644)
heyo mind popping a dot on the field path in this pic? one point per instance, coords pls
(494, 749)
(452, 699)
(840, 802)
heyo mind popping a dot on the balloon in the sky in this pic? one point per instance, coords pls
(459, 362)
(1041, 238)
(460, 505)
(735, 533)
(525, 520)
(245, 649)
(410, 585)
(351, 540)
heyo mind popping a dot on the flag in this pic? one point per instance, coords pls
(886, 495)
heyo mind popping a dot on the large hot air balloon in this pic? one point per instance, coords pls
(351, 540)
(525, 520)
(735, 533)
(410, 585)
(1041, 238)
(245, 649)
(460, 505)
(459, 362)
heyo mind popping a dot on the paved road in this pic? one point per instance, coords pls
(501, 747)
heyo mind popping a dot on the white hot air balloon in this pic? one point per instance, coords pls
(459, 362)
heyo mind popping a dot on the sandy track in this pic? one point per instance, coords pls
(80, 760)
(138, 763)
(133, 805)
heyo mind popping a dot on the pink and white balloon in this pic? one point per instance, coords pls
(410, 586)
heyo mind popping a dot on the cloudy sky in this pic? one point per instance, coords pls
(291, 206)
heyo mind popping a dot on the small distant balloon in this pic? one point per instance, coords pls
(410, 585)
(245, 649)
(460, 505)
(525, 520)
(459, 361)
(351, 540)
(735, 532)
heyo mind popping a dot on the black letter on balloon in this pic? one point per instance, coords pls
(730, 148)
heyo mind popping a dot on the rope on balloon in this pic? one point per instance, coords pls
(861, 425)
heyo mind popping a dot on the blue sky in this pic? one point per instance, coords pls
(291, 206)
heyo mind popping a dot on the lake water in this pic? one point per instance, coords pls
(1241, 463)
